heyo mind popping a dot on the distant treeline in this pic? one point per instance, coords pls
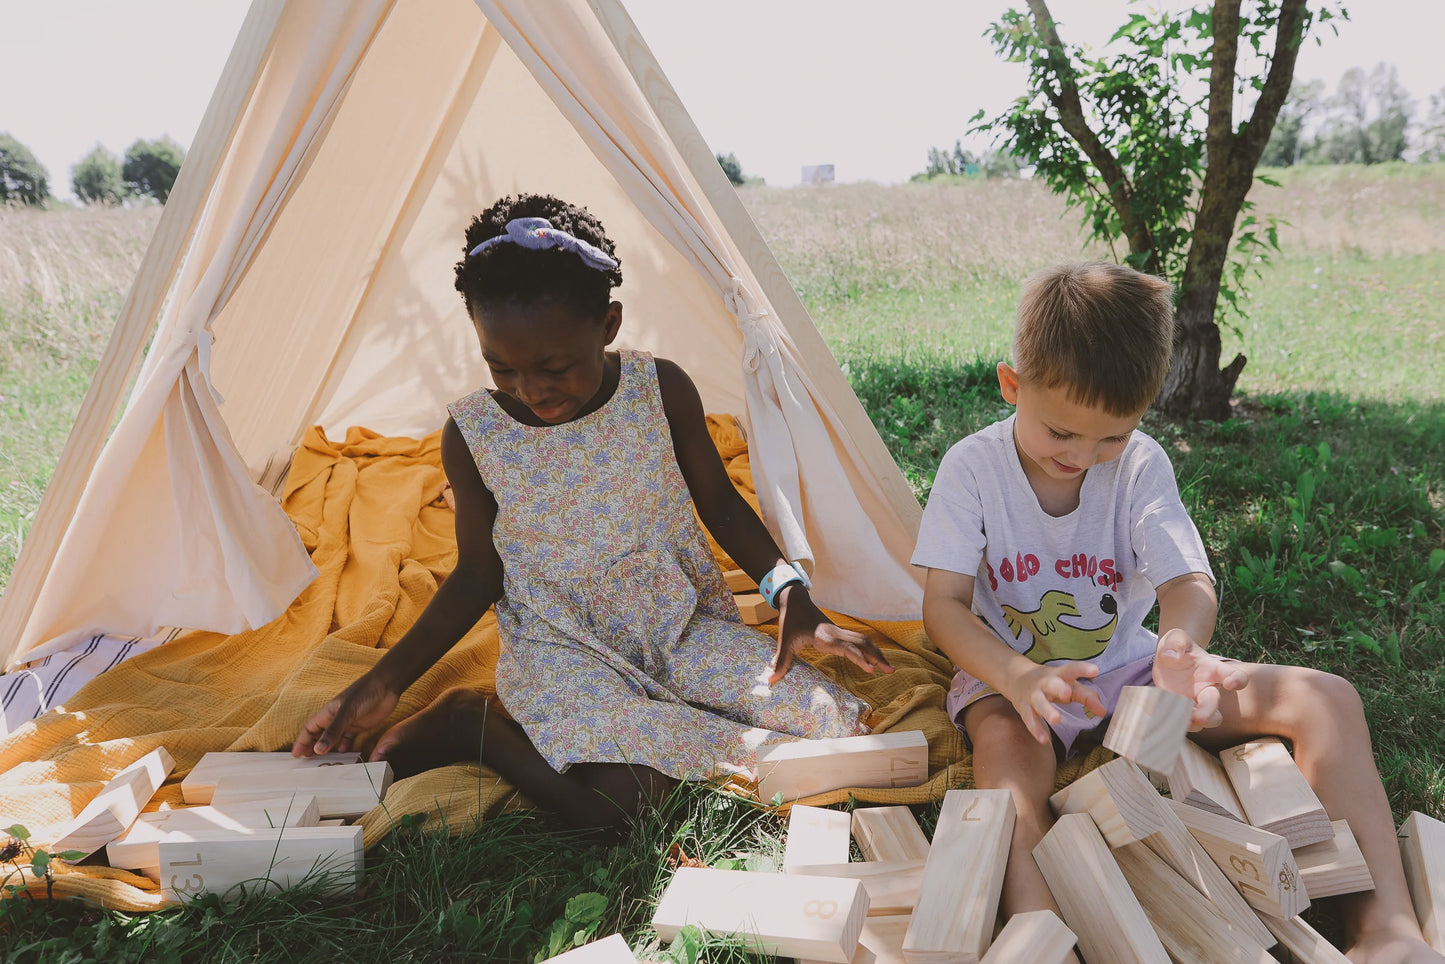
(149, 169)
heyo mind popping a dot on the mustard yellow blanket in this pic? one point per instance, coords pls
(370, 513)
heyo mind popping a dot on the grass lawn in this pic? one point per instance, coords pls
(1322, 503)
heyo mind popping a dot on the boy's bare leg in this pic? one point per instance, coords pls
(1007, 757)
(1321, 714)
(462, 726)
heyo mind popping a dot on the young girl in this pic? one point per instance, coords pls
(624, 659)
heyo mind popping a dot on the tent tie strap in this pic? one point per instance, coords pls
(756, 340)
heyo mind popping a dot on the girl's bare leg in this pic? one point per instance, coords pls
(1321, 714)
(1007, 757)
(463, 726)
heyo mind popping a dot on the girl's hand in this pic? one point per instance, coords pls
(1183, 666)
(801, 624)
(1035, 693)
(364, 705)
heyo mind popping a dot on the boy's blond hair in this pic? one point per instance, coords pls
(1103, 330)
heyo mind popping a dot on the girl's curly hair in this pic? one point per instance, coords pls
(509, 272)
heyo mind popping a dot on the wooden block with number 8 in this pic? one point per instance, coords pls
(786, 915)
(341, 791)
(200, 784)
(224, 863)
(954, 918)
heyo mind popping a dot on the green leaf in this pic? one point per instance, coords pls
(18, 831)
(40, 863)
(1136, 23)
(585, 908)
(1437, 559)
(72, 856)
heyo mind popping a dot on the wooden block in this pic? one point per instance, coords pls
(889, 834)
(1149, 726)
(788, 915)
(755, 609)
(805, 767)
(138, 848)
(739, 581)
(1126, 809)
(1037, 936)
(1191, 928)
(1273, 793)
(1093, 895)
(229, 863)
(880, 942)
(111, 812)
(1198, 778)
(200, 783)
(341, 791)
(1257, 862)
(1422, 851)
(892, 885)
(1334, 866)
(816, 835)
(609, 950)
(956, 912)
(333, 822)
(1302, 941)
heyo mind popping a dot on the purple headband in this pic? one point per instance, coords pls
(538, 234)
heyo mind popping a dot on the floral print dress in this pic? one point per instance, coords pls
(620, 640)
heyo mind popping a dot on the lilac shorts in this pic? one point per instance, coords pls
(967, 690)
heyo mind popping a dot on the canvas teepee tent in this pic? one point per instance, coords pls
(301, 275)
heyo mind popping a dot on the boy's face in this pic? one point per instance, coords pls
(1058, 438)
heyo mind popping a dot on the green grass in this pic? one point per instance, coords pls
(1322, 503)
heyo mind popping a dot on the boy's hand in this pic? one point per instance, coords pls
(801, 624)
(1183, 666)
(1035, 693)
(362, 706)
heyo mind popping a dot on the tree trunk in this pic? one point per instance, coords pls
(1196, 387)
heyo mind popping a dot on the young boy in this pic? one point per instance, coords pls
(1048, 538)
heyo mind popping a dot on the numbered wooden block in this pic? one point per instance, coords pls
(1198, 779)
(1038, 937)
(1149, 726)
(816, 835)
(263, 861)
(956, 912)
(1422, 851)
(1127, 809)
(1334, 866)
(111, 812)
(139, 847)
(1191, 928)
(889, 834)
(1304, 943)
(200, 783)
(1257, 862)
(1093, 895)
(341, 791)
(1273, 793)
(787, 915)
(755, 609)
(609, 950)
(892, 886)
(739, 581)
(805, 767)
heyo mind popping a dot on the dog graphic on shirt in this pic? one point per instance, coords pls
(1056, 639)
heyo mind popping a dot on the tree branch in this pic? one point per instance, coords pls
(1219, 131)
(1289, 36)
(1071, 118)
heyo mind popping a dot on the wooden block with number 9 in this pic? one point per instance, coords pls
(224, 863)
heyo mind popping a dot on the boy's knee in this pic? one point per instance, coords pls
(1336, 694)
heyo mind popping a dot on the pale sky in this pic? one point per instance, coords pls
(867, 87)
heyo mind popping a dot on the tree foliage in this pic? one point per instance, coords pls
(1145, 142)
(22, 177)
(1432, 131)
(151, 167)
(1289, 143)
(96, 178)
(994, 163)
(732, 168)
(1367, 119)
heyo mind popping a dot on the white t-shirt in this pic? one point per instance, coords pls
(1068, 587)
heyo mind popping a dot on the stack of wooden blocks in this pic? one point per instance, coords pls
(1218, 871)
(751, 604)
(256, 821)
